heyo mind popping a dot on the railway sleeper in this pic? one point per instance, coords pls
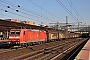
(47, 52)
(46, 49)
(54, 52)
(15, 47)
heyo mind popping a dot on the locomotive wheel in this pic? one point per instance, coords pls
(39, 42)
(26, 45)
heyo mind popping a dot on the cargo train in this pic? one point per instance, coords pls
(30, 36)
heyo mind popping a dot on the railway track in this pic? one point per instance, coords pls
(5, 50)
(53, 50)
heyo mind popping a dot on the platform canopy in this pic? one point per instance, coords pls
(6, 25)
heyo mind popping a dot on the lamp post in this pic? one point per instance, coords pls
(66, 35)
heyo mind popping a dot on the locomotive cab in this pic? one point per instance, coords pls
(14, 36)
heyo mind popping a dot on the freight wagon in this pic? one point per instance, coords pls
(61, 35)
(53, 35)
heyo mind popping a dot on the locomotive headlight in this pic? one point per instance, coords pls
(17, 42)
(10, 37)
(9, 42)
(17, 37)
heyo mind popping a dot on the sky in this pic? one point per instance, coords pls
(46, 11)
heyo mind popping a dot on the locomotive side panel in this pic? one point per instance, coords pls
(42, 35)
(34, 36)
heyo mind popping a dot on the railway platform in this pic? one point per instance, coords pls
(3, 41)
(84, 54)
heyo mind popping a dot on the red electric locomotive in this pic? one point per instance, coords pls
(24, 36)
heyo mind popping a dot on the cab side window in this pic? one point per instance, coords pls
(24, 33)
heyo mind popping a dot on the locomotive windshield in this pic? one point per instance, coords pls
(15, 32)
(12, 32)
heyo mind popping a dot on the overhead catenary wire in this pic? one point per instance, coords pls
(26, 10)
(17, 10)
(66, 9)
(3, 16)
(76, 10)
(15, 6)
(61, 4)
(16, 14)
(43, 9)
(72, 8)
